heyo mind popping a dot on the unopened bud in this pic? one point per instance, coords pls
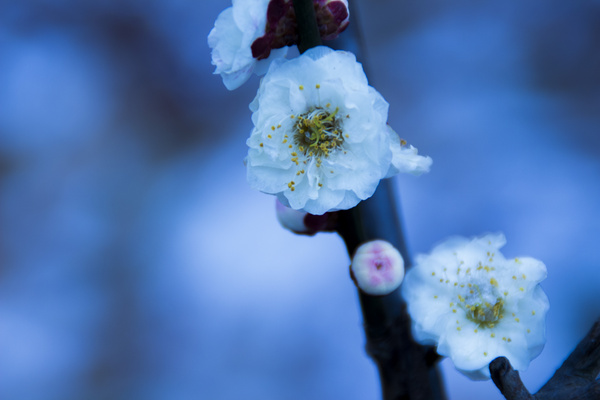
(332, 17)
(282, 29)
(303, 223)
(377, 268)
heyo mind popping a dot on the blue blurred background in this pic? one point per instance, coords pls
(135, 263)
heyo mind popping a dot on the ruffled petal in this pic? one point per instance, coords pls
(477, 305)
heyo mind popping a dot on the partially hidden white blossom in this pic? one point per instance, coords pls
(320, 140)
(290, 219)
(377, 267)
(236, 28)
(303, 223)
(475, 305)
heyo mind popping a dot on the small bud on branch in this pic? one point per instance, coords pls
(377, 268)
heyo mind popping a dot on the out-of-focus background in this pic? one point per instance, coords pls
(135, 263)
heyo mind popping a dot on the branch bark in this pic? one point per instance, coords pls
(576, 379)
(406, 369)
(308, 30)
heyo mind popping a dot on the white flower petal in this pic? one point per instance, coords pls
(406, 159)
(263, 65)
(327, 198)
(317, 117)
(236, 28)
(476, 305)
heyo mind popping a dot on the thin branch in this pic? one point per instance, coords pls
(508, 380)
(576, 379)
(406, 369)
(308, 30)
(584, 361)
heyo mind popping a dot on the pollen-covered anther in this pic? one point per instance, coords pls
(377, 268)
(318, 132)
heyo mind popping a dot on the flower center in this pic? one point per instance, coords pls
(485, 313)
(482, 306)
(318, 132)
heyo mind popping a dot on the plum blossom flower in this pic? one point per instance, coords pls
(377, 267)
(235, 30)
(252, 33)
(320, 140)
(477, 305)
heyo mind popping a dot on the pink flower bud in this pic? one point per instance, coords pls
(377, 268)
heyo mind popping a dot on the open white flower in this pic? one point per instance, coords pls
(476, 305)
(236, 29)
(320, 140)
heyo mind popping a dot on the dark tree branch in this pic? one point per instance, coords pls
(574, 380)
(308, 30)
(508, 380)
(406, 369)
(584, 361)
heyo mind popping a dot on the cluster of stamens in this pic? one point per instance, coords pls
(482, 303)
(315, 135)
(318, 133)
(481, 311)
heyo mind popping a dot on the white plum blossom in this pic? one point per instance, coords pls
(235, 30)
(320, 140)
(252, 33)
(377, 267)
(476, 305)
